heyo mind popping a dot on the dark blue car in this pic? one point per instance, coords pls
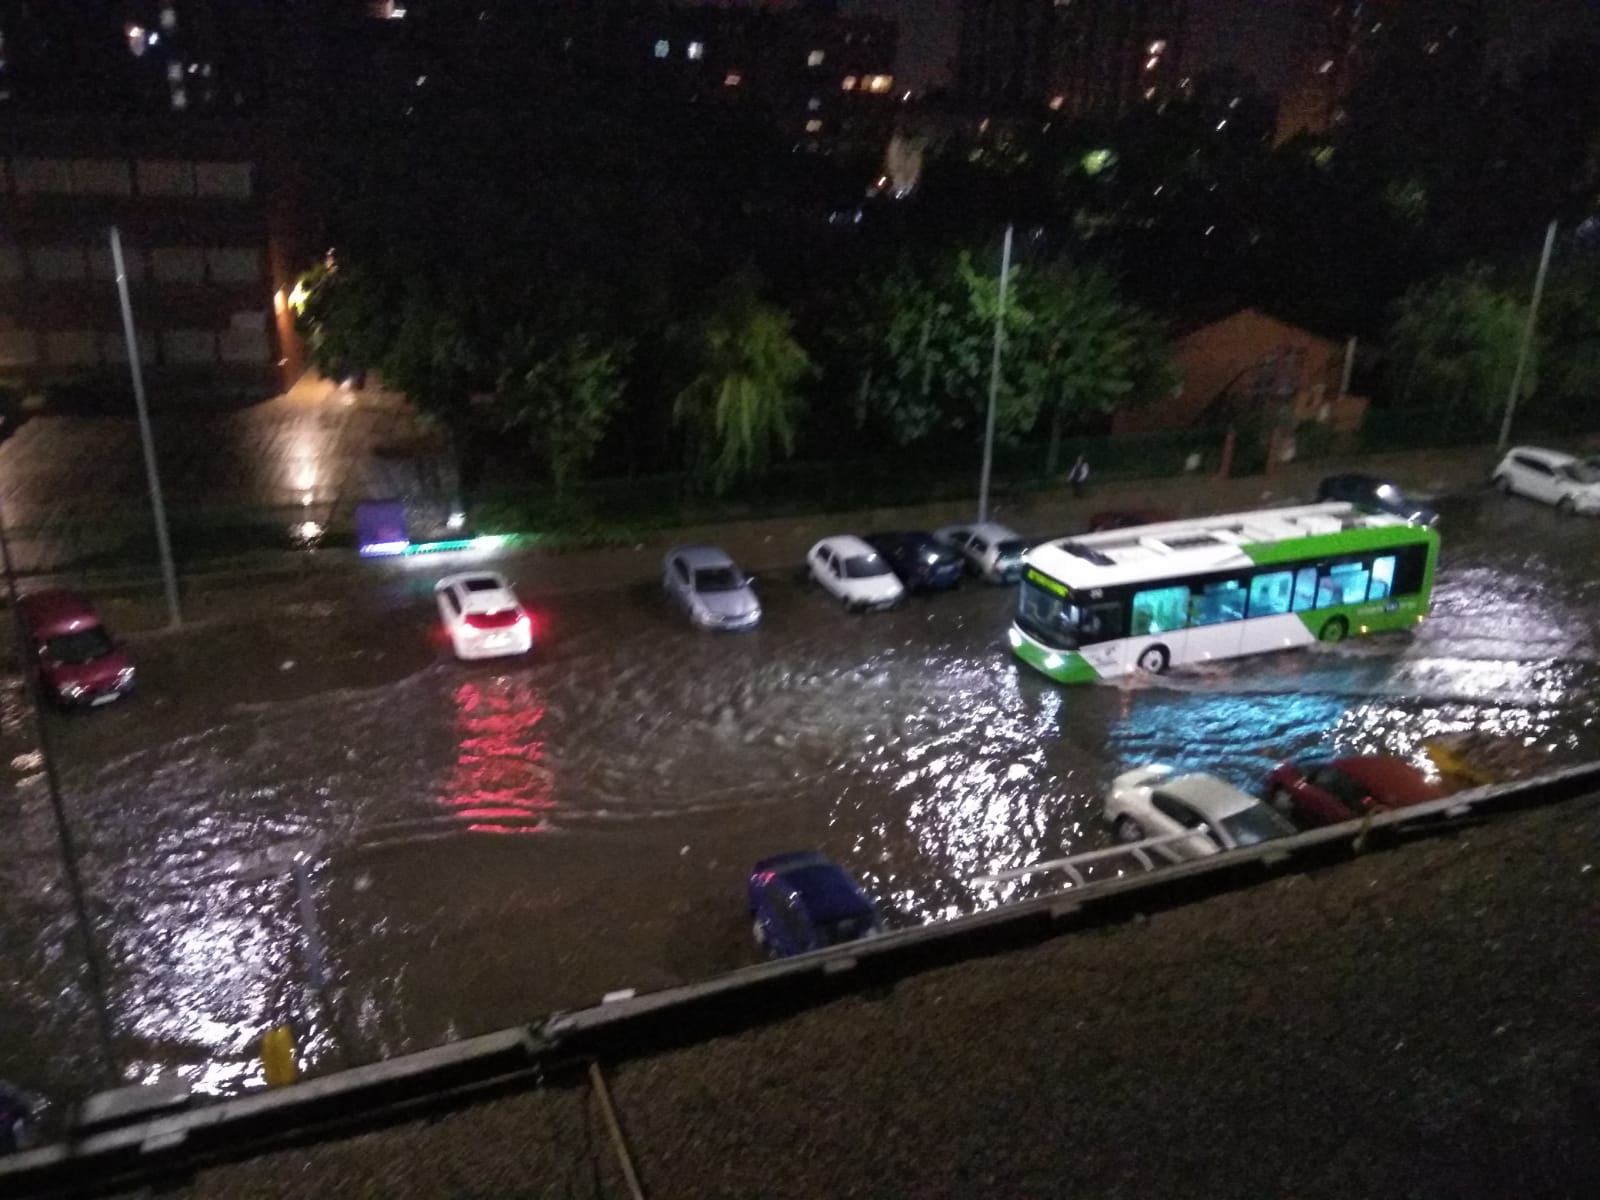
(922, 564)
(804, 901)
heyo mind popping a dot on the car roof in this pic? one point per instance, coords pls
(1556, 458)
(698, 558)
(57, 610)
(827, 890)
(847, 545)
(1387, 777)
(462, 579)
(1212, 797)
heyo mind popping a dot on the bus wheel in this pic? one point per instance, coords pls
(1154, 660)
(1334, 630)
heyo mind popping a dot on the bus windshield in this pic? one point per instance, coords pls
(1047, 616)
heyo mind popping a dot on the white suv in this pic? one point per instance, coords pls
(1569, 483)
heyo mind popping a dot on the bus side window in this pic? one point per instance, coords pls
(1160, 610)
(1382, 578)
(1269, 594)
(1305, 588)
(1219, 602)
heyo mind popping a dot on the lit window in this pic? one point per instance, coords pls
(813, 126)
(732, 79)
(1056, 102)
(878, 83)
(848, 83)
(813, 104)
(663, 48)
(1149, 93)
(169, 17)
(1325, 67)
(1151, 63)
(174, 72)
(1157, 47)
(136, 42)
(1234, 103)
(180, 98)
(814, 59)
(697, 50)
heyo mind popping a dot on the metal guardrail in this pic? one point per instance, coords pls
(558, 1049)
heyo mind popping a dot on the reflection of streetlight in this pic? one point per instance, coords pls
(69, 854)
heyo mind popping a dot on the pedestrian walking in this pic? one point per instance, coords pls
(1078, 477)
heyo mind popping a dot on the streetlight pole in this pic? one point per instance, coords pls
(69, 854)
(169, 576)
(1527, 334)
(994, 379)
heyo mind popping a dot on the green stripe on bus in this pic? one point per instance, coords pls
(1346, 541)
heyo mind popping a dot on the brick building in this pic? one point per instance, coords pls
(202, 218)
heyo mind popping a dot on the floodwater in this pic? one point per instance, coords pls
(481, 844)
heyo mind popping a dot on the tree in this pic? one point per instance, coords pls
(562, 398)
(742, 407)
(1082, 350)
(1454, 344)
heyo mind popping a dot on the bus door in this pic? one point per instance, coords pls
(1216, 619)
(1158, 625)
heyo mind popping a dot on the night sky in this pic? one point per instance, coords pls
(1259, 35)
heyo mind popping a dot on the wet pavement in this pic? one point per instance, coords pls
(494, 841)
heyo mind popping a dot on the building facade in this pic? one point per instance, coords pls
(209, 267)
(1077, 56)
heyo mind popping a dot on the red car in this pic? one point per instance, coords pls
(77, 661)
(1324, 791)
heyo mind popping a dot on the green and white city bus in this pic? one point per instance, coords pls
(1159, 596)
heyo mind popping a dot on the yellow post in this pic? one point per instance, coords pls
(278, 1057)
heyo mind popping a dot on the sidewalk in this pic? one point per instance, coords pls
(261, 586)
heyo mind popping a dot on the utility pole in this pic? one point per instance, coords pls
(69, 854)
(1527, 334)
(169, 576)
(994, 379)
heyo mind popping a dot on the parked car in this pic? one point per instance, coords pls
(1371, 494)
(1325, 791)
(1570, 483)
(712, 589)
(993, 552)
(922, 564)
(854, 573)
(803, 900)
(1102, 522)
(75, 659)
(482, 615)
(1153, 801)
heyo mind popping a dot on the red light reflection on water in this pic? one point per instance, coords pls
(500, 783)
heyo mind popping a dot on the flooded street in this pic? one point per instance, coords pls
(489, 842)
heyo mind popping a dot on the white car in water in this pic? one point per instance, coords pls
(992, 550)
(854, 573)
(712, 589)
(1154, 801)
(482, 615)
(1570, 483)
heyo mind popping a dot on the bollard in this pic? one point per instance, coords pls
(278, 1057)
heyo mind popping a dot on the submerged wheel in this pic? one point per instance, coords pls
(1127, 830)
(1281, 800)
(761, 938)
(1565, 506)
(1334, 630)
(1503, 482)
(1154, 660)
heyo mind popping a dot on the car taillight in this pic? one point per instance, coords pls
(503, 619)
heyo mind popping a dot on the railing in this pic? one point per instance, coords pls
(1072, 866)
(558, 1048)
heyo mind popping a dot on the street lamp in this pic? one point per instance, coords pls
(994, 379)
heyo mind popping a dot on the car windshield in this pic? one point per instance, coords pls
(1255, 824)
(865, 566)
(718, 579)
(86, 645)
(1011, 548)
(1583, 472)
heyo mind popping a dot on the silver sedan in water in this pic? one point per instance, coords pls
(711, 587)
